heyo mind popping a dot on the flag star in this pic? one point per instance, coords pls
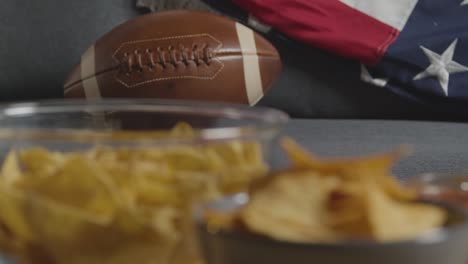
(367, 77)
(442, 66)
(465, 2)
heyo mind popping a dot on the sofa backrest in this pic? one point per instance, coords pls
(42, 40)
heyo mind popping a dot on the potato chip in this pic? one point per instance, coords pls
(333, 200)
(41, 161)
(186, 159)
(291, 207)
(157, 193)
(11, 171)
(394, 220)
(13, 217)
(346, 212)
(117, 204)
(182, 129)
(376, 168)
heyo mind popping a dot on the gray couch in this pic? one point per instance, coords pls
(42, 40)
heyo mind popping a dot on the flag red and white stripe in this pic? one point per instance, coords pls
(358, 29)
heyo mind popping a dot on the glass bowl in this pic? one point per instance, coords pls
(447, 245)
(444, 187)
(112, 181)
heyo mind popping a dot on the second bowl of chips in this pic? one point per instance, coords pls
(113, 181)
(447, 245)
(332, 210)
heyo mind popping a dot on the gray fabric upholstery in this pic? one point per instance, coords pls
(43, 40)
(438, 146)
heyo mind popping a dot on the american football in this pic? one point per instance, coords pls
(182, 54)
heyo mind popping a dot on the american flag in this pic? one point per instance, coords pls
(418, 48)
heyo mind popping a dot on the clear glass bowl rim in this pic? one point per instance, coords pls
(260, 121)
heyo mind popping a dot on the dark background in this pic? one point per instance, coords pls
(41, 41)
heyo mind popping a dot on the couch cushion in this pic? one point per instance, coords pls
(42, 40)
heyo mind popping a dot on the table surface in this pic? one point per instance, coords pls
(438, 146)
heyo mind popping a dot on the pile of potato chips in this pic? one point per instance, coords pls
(116, 204)
(132, 204)
(331, 201)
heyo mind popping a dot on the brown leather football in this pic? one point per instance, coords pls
(181, 54)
